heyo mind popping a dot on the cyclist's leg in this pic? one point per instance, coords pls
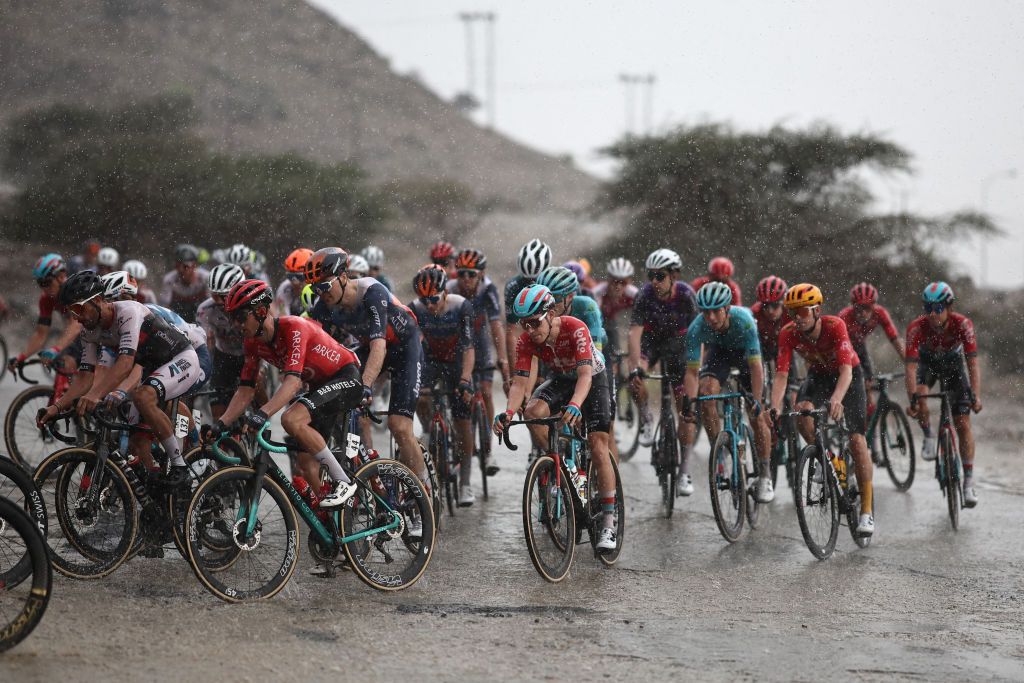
(868, 369)
(597, 411)
(168, 382)
(549, 396)
(311, 419)
(955, 381)
(855, 411)
(463, 423)
(812, 393)
(405, 364)
(424, 404)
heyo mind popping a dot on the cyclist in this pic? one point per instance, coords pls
(446, 323)
(388, 336)
(168, 361)
(185, 286)
(833, 377)
(615, 295)
(587, 282)
(375, 260)
(564, 287)
(729, 337)
(243, 257)
(225, 338)
(289, 293)
(357, 266)
(578, 387)
(720, 269)
(50, 273)
(138, 271)
(533, 257)
(937, 344)
(87, 259)
(581, 276)
(862, 316)
(304, 353)
(663, 311)
(443, 254)
(771, 317)
(488, 329)
(107, 261)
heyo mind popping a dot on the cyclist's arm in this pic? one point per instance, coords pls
(80, 384)
(584, 380)
(510, 344)
(779, 389)
(37, 340)
(897, 344)
(498, 333)
(843, 383)
(974, 372)
(290, 385)
(468, 361)
(117, 373)
(128, 383)
(517, 392)
(375, 361)
(239, 402)
(71, 330)
(635, 332)
(756, 376)
(531, 381)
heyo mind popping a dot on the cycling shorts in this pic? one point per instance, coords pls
(404, 362)
(865, 361)
(206, 365)
(332, 400)
(671, 353)
(952, 378)
(177, 376)
(435, 374)
(74, 350)
(227, 369)
(719, 362)
(817, 388)
(596, 408)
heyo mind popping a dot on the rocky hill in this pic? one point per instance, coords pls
(268, 76)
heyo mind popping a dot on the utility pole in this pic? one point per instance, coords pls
(631, 83)
(468, 101)
(986, 185)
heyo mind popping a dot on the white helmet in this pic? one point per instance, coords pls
(224, 277)
(534, 257)
(374, 256)
(239, 255)
(219, 255)
(108, 257)
(620, 268)
(137, 269)
(664, 259)
(358, 264)
(117, 284)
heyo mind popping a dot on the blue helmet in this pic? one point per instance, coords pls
(560, 280)
(531, 301)
(938, 293)
(714, 295)
(48, 266)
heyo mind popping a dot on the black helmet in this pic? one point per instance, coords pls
(186, 253)
(82, 285)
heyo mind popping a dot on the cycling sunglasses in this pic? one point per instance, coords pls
(530, 323)
(934, 307)
(240, 316)
(320, 288)
(78, 308)
(773, 305)
(430, 299)
(468, 273)
(656, 275)
(621, 283)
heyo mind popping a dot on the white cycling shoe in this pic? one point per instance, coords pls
(970, 495)
(466, 496)
(340, 495)
(607, 540)
(865, 525)
(764, 492)
(684, 485)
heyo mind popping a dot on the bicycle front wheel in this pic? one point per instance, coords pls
(947, 451)
(549, 520)
(897, 443)
(817, 502)
(667, 457)
(751, 465)
(482, 431)
(22, 556)
(727, 482)
(627, 423)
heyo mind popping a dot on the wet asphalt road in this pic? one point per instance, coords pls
(923, 602)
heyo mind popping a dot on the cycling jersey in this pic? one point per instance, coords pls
(611, 306)
(289, 297)
(942, 344)
(486, 309)
(572, 348)
(146, 295)
(386, 281)
(512, 288)
(768, 330)
(859, 331)
(184, 297)
(740, 335)
(47, 305)
(825, 355)
(196, 334)
(663, 319)
(376, 315)
(298, 347)
(226, 337)
(448, 335)
(586, 309)
(134, 331)
(737, 299)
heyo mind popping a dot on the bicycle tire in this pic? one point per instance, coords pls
(548, 513)
(435, 487)
(667, 457)
(898, 449)
(607, 557)
(17, 486)
(483, 447)
(27, 603)
(813, 469)
(751, 474)
(373, 558)
(77, 548)
(26, 443)
(445, 473)
(948, 453)
(627, 418)
(218, 579)
(726, 475)
(3, 356)
(852, 502)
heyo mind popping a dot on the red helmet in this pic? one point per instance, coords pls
(325, 264)
(442, 251)
(248, 293)
(430, 281)
(771, 289)
(720, 268)
(863, 294)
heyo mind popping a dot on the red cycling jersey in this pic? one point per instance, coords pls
(47, 305)
(824, 355)
(611, 306)
(571, 349)
(958, 332)
(768, 330)
(859, 331)
(299, 347)
(704, 279)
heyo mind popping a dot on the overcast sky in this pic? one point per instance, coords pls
(943, 79)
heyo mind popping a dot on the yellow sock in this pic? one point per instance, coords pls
(865, 499)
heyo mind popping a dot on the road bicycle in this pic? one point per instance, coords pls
(665, 454)
(25, 575)
(948, 466)
(894, 446)
(27, 444)
(439, 431)
(555, 511)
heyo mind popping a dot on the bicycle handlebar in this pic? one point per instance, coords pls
(20, 371)
(535, 421)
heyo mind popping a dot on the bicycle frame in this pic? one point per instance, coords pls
(738, 437)
(883, 402)
(945, 426)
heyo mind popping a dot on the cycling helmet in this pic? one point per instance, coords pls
(219, 255)
(108, 257)
(560, 281)
(137, 269)
(803, 294)
(534, 257)
(663, 259)
(771, 289)
(532, 300)
(186, 253)
(720, 268)
(296, 261)
(80, 287)
(938, 293)
(308, 297)
(863, 294)
(48, 266)
(325, 264)
(585, 264)
(117, 284)
(240, 255)
(374, 256)
(204, 256)
(357, 265)
(714, 295)
(620, 268)
(441, 251)
(259, 260)
(429, 281)
(471, 259)
(248, 293)
(576, 269)
(224, 277)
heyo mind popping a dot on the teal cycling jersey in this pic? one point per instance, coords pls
(587, 310)
(740, 335)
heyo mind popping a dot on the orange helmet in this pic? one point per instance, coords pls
(803, 294)
(296, 261)
(471, 259)
(325, 264)
(430, 281)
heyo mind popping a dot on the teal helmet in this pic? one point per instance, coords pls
(532, 300)
(560, 280)
(938, 293)
(714, 295)
(48, 266)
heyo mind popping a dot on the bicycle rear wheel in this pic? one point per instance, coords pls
(608, 557)
(897, 443)
(482, 433)
(22, 556)
(947, 451)
(751, 465)
(728, 486)
(549, 520)
(26, 443)
(627, 423)
(817, 502)
(667, 457)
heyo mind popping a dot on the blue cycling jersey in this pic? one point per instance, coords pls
(740, 335)
(587, 310)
